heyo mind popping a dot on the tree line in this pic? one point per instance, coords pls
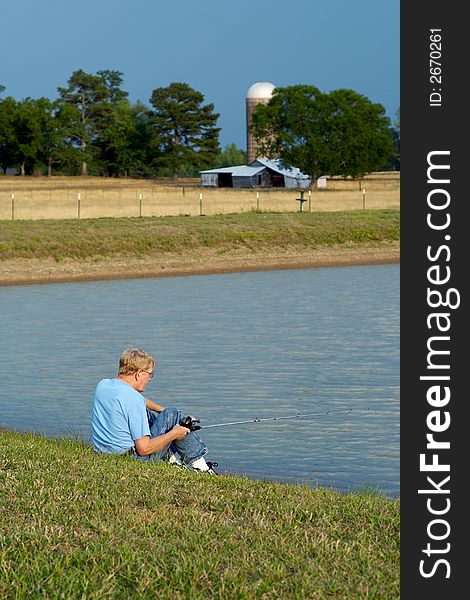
(93, 129)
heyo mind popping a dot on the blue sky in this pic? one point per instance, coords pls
(219, 47)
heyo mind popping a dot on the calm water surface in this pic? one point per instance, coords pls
(229, 347)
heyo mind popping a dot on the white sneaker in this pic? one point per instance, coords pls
(210, 468)
(174, 460)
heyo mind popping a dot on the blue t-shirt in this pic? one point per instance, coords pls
(119, 416)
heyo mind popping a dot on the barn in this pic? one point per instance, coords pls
(261, 172)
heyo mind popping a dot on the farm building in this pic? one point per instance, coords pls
(258, 173)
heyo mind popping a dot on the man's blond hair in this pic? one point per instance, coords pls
(135, 359)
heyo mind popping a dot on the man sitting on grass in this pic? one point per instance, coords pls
(124, 422)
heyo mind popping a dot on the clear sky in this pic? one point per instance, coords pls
(219, 47)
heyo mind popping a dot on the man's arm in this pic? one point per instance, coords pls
(147, 445)
(154, 406)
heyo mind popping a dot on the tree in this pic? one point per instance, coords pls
(7, 132)
(32, 125)
(30, 134)
(87, 104)
(184, 128)
(393, 163)
(53, 133)
(24, 134)
(395, 159)
(340, 133)
(230, 156)
(122, 146)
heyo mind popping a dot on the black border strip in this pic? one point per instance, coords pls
(433, 130)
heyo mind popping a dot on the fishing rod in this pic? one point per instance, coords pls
(190, 422)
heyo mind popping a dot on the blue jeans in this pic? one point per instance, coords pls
(190, 448)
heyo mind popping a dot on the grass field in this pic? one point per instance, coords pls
(152, 236)
(79, 525)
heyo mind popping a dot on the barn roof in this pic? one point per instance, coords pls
(276, 165)
(258, 165)
(240, 170)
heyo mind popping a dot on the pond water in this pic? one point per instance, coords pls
(229, 347)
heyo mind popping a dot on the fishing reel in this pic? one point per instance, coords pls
(190, 423)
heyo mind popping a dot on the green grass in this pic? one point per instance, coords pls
(94, 238)
(80, 525)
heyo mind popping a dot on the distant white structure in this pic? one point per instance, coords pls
(258, 93)
(258, 173)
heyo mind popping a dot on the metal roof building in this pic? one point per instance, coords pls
(261, 172)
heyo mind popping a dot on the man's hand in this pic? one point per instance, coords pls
(180, 432)
(146, 445)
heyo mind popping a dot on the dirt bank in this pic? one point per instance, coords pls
(23, 271)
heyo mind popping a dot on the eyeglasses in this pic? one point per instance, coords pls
(150, 374)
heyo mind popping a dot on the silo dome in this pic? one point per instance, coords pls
(262, 89)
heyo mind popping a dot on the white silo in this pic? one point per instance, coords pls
(258, 93)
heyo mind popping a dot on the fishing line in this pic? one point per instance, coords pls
(299, 415)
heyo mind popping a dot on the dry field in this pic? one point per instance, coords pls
(93, 197)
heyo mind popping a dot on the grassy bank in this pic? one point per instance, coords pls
(147, 236)
(77, 525)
